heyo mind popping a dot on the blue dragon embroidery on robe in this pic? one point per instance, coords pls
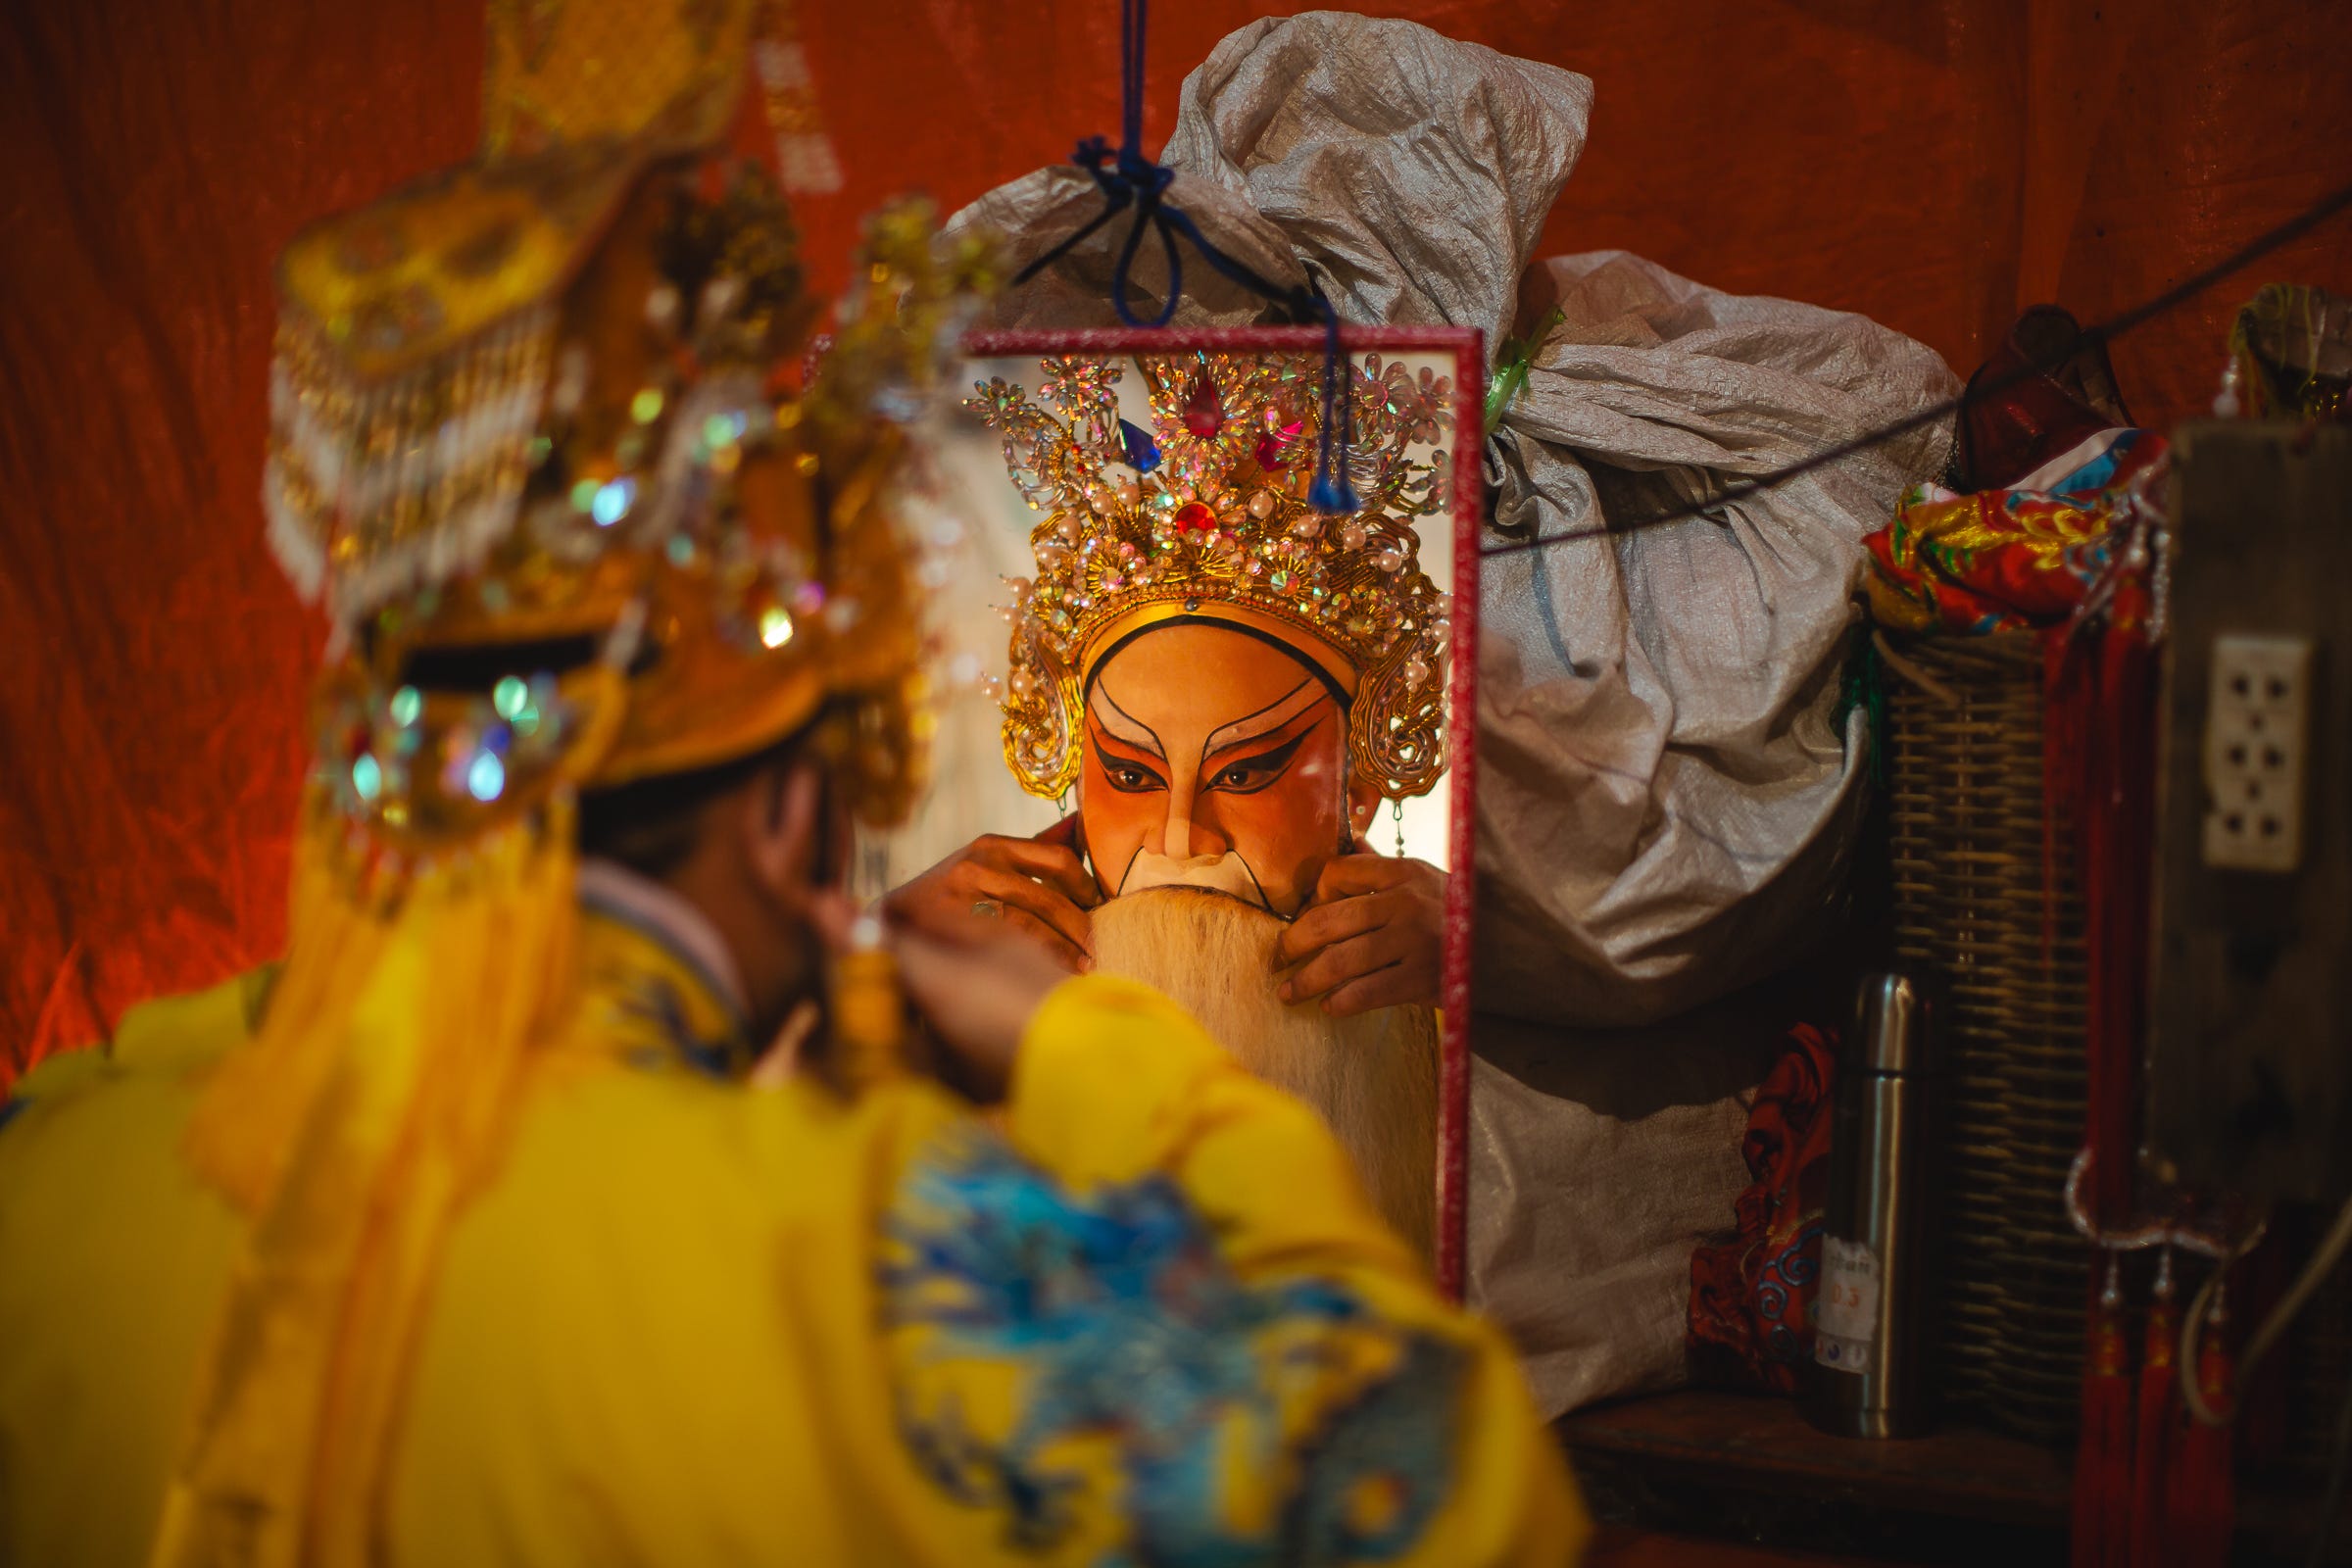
(1124, 1320)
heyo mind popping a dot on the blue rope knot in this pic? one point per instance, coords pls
(1131, 179)
(1131, 176)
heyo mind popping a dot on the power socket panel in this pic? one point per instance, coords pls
(2250, 973)
(2257, 740)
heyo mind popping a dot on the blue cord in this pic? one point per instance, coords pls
(1128, 178)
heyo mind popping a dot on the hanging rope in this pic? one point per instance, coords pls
(1129, 181)
(2105, 332)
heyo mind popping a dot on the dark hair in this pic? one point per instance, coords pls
(651, 824)
(648, 825)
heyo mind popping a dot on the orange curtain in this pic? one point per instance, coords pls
(1935, 165)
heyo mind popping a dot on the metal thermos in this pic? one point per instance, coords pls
(1873, 1311)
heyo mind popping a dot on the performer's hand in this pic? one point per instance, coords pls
(975, 984)
(1371, 937)
(1039, 886)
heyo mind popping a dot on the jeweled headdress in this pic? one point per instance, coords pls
(553, 397)
(1204, 516)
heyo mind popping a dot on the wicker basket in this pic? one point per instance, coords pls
(1969, 903)
(1966, 773)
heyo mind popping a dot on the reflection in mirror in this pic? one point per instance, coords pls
(1194, 728)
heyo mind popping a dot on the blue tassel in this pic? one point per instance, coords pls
(1143, 454)
(1133, 180)
(1333, 493)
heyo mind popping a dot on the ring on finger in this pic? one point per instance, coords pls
(988, 909)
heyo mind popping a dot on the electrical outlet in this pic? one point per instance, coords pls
(2249, 1082)
(2257, 732)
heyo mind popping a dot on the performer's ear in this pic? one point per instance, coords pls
(787, 837)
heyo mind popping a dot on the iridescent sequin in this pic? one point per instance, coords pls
(612, 501)
(486, 779)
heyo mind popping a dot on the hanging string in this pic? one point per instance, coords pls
(2103, 333)
(1129, 180)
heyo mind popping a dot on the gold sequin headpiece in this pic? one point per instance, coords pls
(1204, 516)
(552, 400)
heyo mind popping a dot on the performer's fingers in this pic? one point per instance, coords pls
(1065, 953)
(1047, 907)
(1349, 874)
(945, 917)
(978, 998)
(782, 1058)
(1339, 963)
(1325, 924)
(1392, 987)
(1055, 864)
(952, 906)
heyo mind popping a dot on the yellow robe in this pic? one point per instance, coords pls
(1149, 1318)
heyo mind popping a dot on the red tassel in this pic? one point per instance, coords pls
(2103, 1454)
(2152, 1438)
(2098, 729)
(2098, 742)
(2204, 1492)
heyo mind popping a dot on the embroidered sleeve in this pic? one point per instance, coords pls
(1088, 1375)
(1157, 1321)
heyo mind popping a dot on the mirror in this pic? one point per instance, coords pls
(1229, 701)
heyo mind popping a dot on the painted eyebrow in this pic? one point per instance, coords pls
(1112, 752)
(1267, 719)
(1276, 756)
(1121, 726)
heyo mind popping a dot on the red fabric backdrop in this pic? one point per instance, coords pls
(1935, 165)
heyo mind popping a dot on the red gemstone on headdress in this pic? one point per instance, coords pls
(1203, 410)
(1193, 514)
(1274, 445)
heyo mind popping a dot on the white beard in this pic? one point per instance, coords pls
(1374, 1077)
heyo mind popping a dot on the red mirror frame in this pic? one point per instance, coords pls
(1467, 348)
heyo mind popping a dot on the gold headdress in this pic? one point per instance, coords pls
(548, 399)
(541, 443)
(1204, 516)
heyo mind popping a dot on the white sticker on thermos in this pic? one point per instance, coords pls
(1845, 1313)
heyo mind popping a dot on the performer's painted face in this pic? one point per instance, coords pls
(1213, 758)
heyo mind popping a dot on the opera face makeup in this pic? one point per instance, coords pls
(1212, 758)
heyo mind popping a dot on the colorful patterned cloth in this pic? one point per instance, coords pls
(2005, 560)
(1134, 1363)
(1751, 1298)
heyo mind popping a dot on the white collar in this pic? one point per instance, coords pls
(669, 918)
